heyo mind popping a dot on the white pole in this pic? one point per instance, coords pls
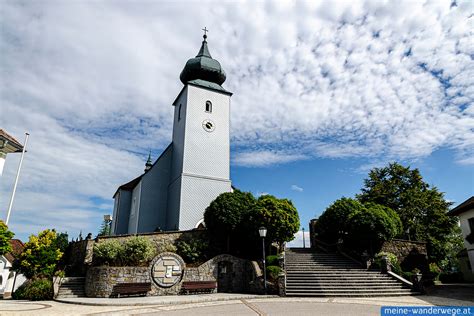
(16, 180)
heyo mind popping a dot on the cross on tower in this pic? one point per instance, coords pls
(205, 32)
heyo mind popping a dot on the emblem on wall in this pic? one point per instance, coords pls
(167, 270)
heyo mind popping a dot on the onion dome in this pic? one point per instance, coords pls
(203, 67)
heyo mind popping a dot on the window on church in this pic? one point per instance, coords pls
(179, 112)
(208, 106)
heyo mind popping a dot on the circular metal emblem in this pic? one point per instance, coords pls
(208, 125)
(166, 271)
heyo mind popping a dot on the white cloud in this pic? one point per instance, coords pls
(294, 187)
(93, 82)
(298, 241)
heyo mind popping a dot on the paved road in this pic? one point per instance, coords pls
(244, 306)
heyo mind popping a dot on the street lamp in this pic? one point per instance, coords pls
(263, 232)
(304, 242)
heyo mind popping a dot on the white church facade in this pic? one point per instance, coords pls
(173, 192)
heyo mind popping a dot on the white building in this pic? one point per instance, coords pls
(8, 144)
(194, 169)
(10, 280)
(465, 211)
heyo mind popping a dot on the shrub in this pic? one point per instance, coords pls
(41, 254)
(108, 252)
(407, 275)
(272, 272)
(392, 259)
(435, 271)
(5, 237)
(166, 247)
(138, 250)
(272, 260)
(451, 277)
(35, 290)
(192, 251)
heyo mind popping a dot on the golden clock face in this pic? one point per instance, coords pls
(208, 125)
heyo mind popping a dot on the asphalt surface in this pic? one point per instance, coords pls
(237, 304)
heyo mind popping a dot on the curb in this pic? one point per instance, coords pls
(158, 303)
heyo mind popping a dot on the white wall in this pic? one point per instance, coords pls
(135, 209)
(463, 218)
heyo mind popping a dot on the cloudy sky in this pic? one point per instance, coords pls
(323, 91)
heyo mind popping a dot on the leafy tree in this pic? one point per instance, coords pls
(334, 222)
(5, 237)
(279, 216)
(105, 229)
(40, 255)
(370, 226)
(225, 216)
(362, 226)
(422, 208)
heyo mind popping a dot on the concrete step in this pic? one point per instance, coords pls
(345, 288)
(368, 291)
(330, 294)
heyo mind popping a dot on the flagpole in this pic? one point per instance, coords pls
(16, 180)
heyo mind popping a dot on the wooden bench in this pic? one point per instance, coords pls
(131, 289)
(199, 286)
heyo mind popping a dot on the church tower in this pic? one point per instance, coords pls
(200, 168)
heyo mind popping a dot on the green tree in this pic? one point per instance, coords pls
(334, 221)
(279, 216)
(370, 226)
(5, 237)
(422, 208)
(104, 228)
(40, 255)
(361, 226)
(225, 216)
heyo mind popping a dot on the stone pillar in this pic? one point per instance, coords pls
(417, 282)
(385, 265)
(282, 283)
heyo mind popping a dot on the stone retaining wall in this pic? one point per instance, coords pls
(233, 275)
(410, 254)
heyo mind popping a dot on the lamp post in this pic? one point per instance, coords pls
(263, 232)
(304, 242)
(108, 221)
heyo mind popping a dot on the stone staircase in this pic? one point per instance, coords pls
(313, 273)
(72, 287)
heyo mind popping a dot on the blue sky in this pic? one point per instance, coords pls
(323, 92)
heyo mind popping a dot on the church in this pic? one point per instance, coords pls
(175, 190)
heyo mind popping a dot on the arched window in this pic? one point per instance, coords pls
(179, 112)
(208, 106)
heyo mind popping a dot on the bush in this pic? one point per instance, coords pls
(138, 250)
(5, 237)
(392, 259)
(435, 271)
(166, 247)
(272, 260)
(192, 251)
(407, 275)
(108, 252)
(41, 254)
(272, 272)
(35, 290)
(451, 277)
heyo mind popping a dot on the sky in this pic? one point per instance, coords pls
(323, 92)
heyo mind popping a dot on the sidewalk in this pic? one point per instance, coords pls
(159, 300)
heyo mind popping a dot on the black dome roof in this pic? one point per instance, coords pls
(203, 67)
